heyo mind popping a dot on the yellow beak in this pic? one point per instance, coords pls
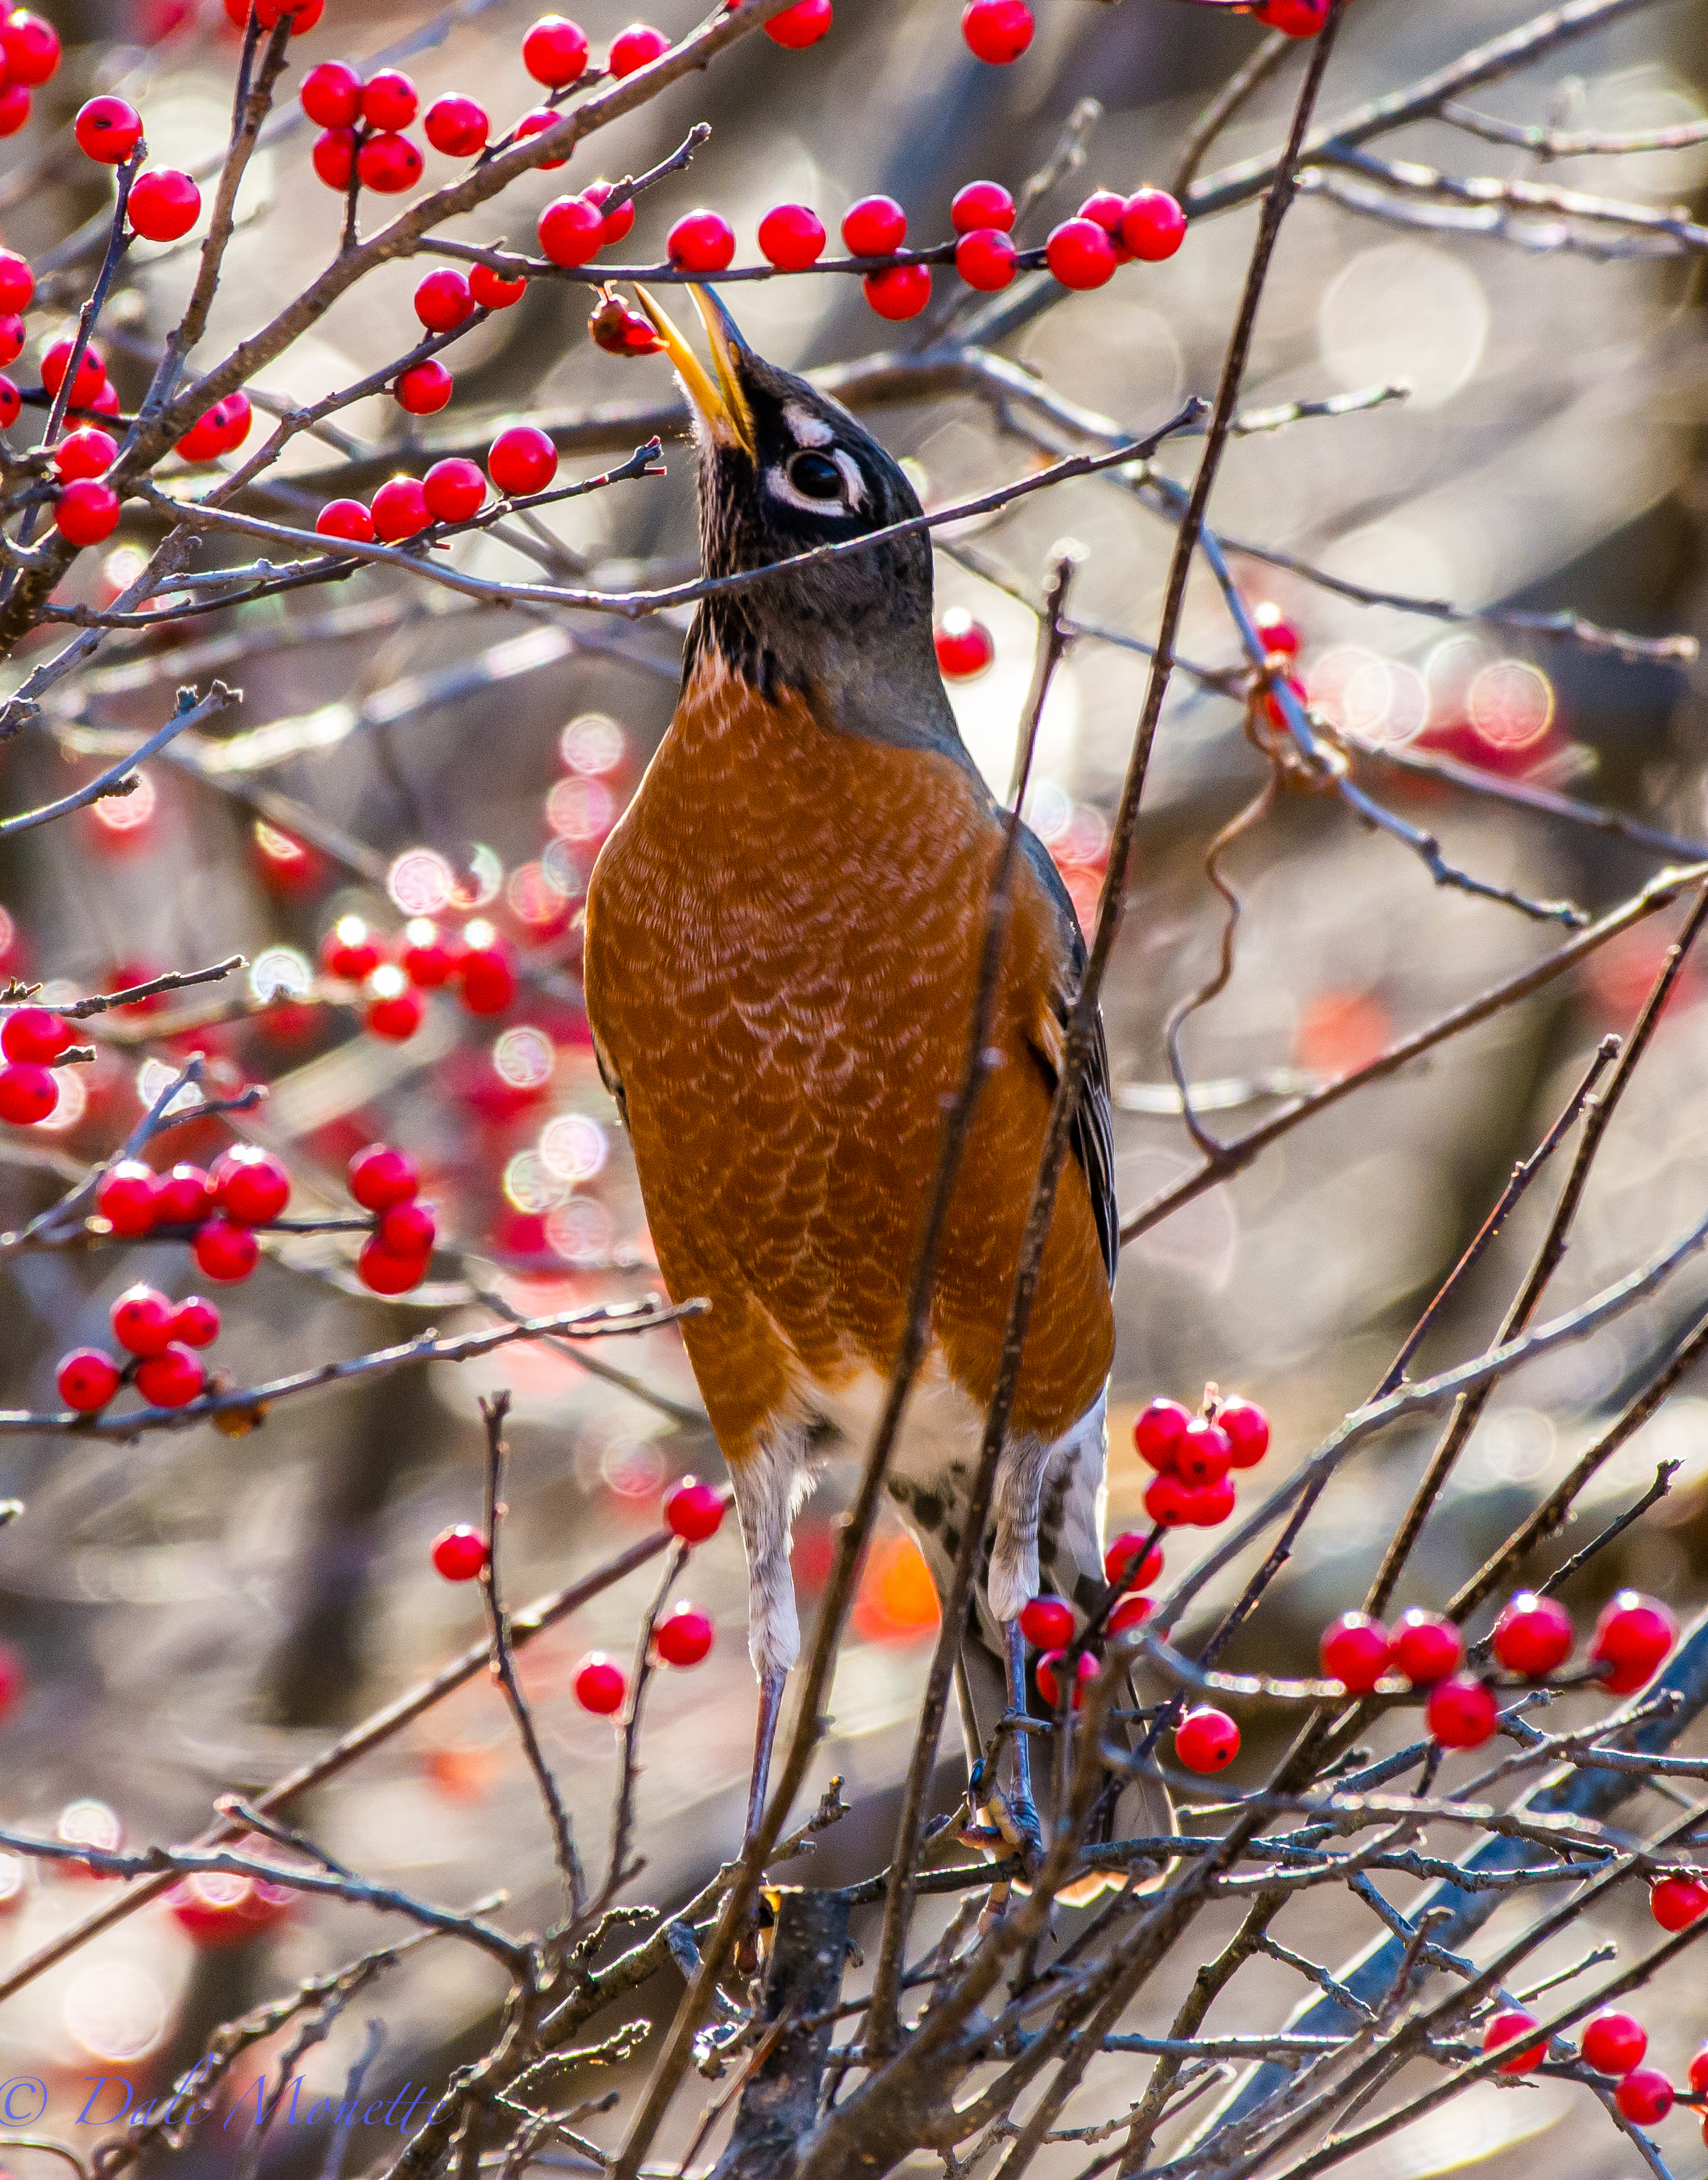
(724, 406)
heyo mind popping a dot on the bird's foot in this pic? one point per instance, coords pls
(1016, 1818)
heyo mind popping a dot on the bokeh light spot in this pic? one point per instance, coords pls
(591, 744)
(525, 1057)
(421, 882)
(573, 1146)
(1511, 704)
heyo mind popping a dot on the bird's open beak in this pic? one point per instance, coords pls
(723, 406)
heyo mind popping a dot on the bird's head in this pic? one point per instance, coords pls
(782, 469)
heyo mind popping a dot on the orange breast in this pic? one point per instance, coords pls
(781, 944)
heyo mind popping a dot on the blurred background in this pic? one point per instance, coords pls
(197, 1613)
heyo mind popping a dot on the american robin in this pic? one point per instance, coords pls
(783, 935)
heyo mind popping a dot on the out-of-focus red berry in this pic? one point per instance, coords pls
(196, 1321)
(164, 204)
(11, 403)
(380, 1176)
(683, 1636)
(408, 1229)
(964, 647)
(424, 388)
(1247, 1427)
(1158, 1432)
(1167, 1501)
(1079, 254)
(382, 1271)
(250, 1185)
(536, 125)
(427, 958)
(394, 1007)
(522, 460)
(1614, 2042)
(1126, 1561)
(635, 47)
(800, 26)
(997, 30)
(1460, 1712)
(1206, 1740)
(1049, 1672)
(346, 518)
(1131, 1612)
(141, 1320)
(1299, 18)
(87, 1378)
(700, 242)
(11, 337)
(981, 204)
(389, 100)
(14, 108)
(108, 129)
(1533, 1635)
(1207, 1505)
(172, 1378)
(872, 227)
(182, 1197)
(554, 52)
(1699, 2074)
(571, 230)
(1633, 1637)
(791, 237)
(352, 949)
(985, 259)
(1153, 227)
(1355, 1651)
(599, 1684)
(1676, 1902)
(460, 1553)
(454, 489)
(491, 290)
(127, 1197)
(488, 971)
(1047, 1623)
(36, 1033)
(17, 282)
(388, 163)
(399, 509)
(334, 158)
(1505, 2028)
(1280, 637)
(224, 1250)
(86, 512)
(332, 95)
(1204, 1454)
(32, 46)
(1426, 1648)
(444, 300)
(457, 126)
(694, 1510)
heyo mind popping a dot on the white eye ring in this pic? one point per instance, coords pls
(853, 490)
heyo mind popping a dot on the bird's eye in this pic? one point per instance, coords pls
(816, 476)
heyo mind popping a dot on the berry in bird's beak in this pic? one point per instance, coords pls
(620, 330)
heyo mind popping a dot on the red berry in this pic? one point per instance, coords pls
(196, 1321)
(381, 1271)
(979, 205)
(388, 163)
(165, 204)
(332, 95)
(1130, 1612)
(1614, 2042)
(488, 972)
(11, 337)
(182, 1198)
(554, 52)
(1104, 208)
(460, 1553)
(1153, 225)
(28, 1094)
(457, 126)
(91, 370)
(394, 1007)
(1426, 1648)
(454, 489)
(1460, 1712)
(443, 300)
(14, 108)
(109, 129)
(1158, 1432)
(791, 236)
(11, 403)
(874, 227)
(1699, 2074)
(250, 1186)
(408, 1229)
(635, 47)
(1047, 1623)
(202, 442)
(1533, 1635)
(352, 949)
(964, 647)
(985, 258)
(997, 30)
(1048, 1670)
(1504, 2028)
(424, 388)
(522, 460)
(1203, 1455)
(334, 158)
(1079, 254)
(1207, 1505)
(1355, 1650)
(1676, 1902)
(380, 1177)
(1206, 1740)
(36, 1033)
(399, 509)
(234, 415)
(617, 221)
(491, 290)
(17, 282)
(225, 1252)
(1644, 2096)
(127, 1197)
(1633, 1637)
(87, 1378)
(1299, 18)
(86, 512)
(171, 1377)
(85, 454)
(802, 25)
(389, 100)
(599, 1684)
(141, 1320)
(346, 518)
(536, 125)
(1280, 637)
(1248, 1430)
(571, 230)
(1126, 1561)
(303, 14)
(694, 1510)
(700, 242)
(32, 48)
(1168, 1502)
(427, 958)
(683, 1636)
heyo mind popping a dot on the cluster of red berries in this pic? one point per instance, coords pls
(362, 126)
(1193, 1456)
(521, 462)
(1131, 1563)
(247, 1187)
(31, 1040)
(160, 1336)
(693, 1511)
(1613, 2043)
(394, 1256)
(164, 202)
(221, 430)
(479, 961)
(28, 56)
